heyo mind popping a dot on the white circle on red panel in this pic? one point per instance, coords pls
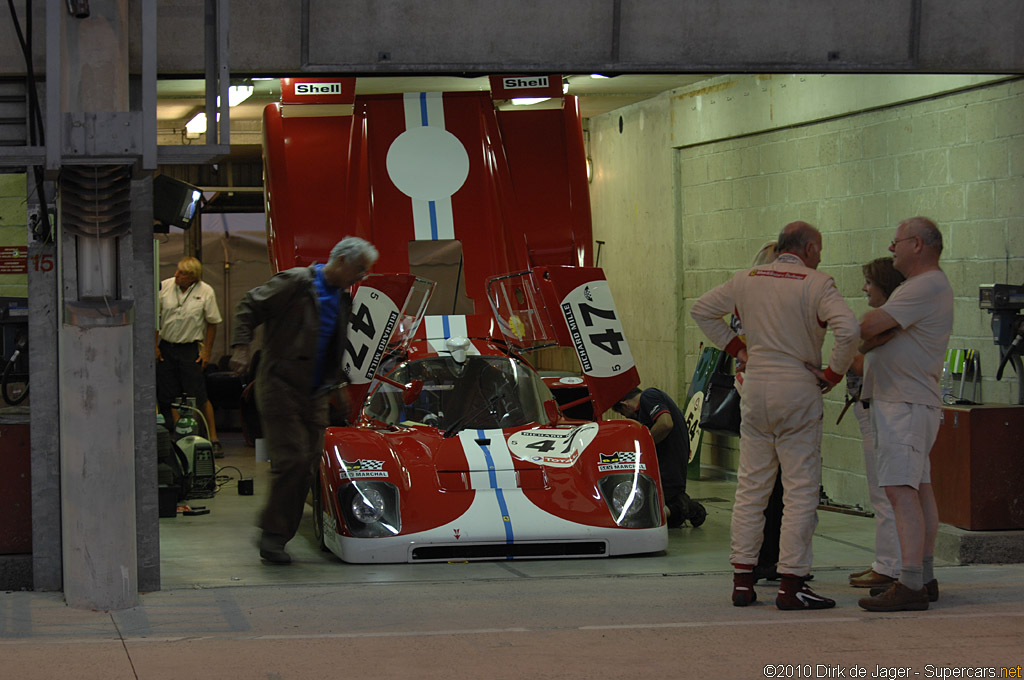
(427, 163)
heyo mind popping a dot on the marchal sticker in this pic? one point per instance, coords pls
(619, 461)
(363, 468)
(552, 447)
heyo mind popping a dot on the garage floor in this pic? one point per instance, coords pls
(223, 614)
(218, 549)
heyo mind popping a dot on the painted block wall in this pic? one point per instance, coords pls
(632, 200)
(957, 157)
(13, 221)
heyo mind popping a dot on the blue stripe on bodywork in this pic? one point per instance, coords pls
(502, 505)
(433, 220)
(447, 328)
(423, 109)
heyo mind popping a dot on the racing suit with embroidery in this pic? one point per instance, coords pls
(785, 308)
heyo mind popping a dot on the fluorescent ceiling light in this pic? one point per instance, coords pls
(526, 101)
(197, 125)
(597, 75)
(238, 94)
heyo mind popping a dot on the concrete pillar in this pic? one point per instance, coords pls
(97, 409)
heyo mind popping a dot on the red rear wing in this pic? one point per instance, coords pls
(570, 307)
(509, 186)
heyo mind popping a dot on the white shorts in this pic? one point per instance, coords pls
(904, 435)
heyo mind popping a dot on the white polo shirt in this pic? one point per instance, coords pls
(184, 314)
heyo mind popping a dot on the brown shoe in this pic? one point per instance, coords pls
(897, 598)
(871, 579)
(858, 574)
(932, 587)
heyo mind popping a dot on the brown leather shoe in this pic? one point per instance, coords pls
(897, 598)
(932, 587)
(871, 579)
(858, 574)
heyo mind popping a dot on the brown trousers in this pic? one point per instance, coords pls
(295, 443)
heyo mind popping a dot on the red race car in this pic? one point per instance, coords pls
(459, 448)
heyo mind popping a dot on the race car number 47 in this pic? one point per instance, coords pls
(596, 330)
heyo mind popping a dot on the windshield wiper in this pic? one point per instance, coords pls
(457, 426)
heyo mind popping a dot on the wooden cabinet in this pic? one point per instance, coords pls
(978, 467)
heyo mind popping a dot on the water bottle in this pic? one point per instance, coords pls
(946, 385)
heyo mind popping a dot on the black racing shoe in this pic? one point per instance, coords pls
(697, 514)
(676, 513)
(794, 594)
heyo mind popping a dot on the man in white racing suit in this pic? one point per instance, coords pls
(785, 308)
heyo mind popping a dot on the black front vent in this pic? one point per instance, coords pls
(497, 551)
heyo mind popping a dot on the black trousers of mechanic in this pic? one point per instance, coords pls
(295, 443)
(179, 373)
(768, 558)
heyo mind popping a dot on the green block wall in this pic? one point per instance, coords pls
(681, 219)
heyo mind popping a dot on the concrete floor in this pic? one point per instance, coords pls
(667, 615)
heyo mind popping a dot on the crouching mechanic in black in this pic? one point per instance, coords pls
(659, 413)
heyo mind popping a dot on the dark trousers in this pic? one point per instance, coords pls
(178, 373)
(295, 443)
(769, 555)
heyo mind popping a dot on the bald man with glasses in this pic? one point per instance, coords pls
(906, 342)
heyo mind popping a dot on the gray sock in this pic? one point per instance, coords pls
(911, 577)
(928, 569)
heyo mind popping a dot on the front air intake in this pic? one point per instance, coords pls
(497, 551)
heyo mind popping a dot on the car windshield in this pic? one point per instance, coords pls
(484, 392)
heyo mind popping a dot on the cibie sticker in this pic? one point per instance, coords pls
(552, 447)
(596, 330)
(363, 468)
(618, 461)
(370, 327)
(571, 380)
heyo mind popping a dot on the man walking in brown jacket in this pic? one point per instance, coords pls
(304, 312)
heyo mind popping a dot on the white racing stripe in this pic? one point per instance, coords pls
(433, 219)
(440, 328)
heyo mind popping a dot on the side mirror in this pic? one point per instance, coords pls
(551, 411)
(411, 391)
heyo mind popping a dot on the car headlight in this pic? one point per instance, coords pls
(368, 505)
(370, 508)
(627, 498)
(633, 500)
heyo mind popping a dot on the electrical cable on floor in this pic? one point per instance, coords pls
(221, 480)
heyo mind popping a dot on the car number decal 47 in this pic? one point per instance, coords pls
(552, 447)
(596, 330)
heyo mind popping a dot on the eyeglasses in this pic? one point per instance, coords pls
(897, 240)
